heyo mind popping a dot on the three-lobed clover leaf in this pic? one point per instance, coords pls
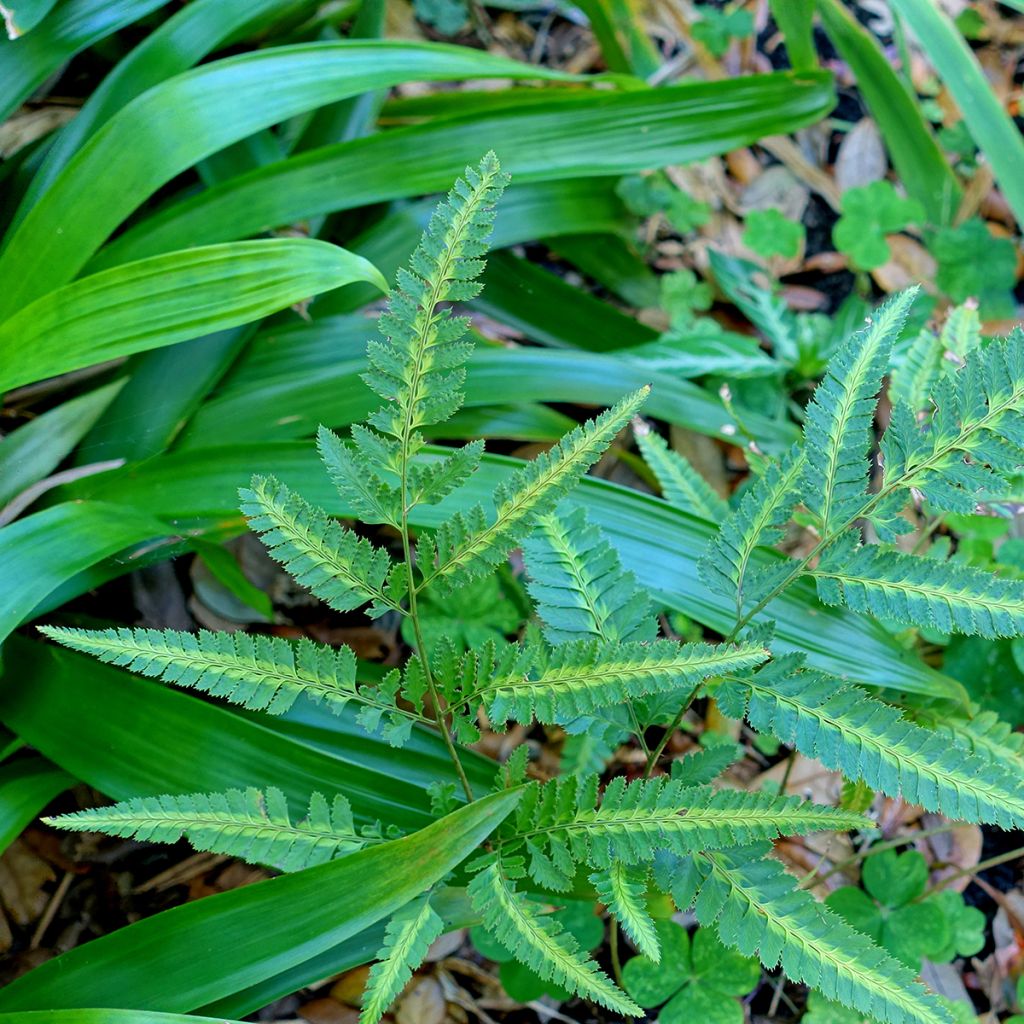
(717, 28)
(648, 194)
(974, 263)
(771, 233)
(869, 213)
(697, 979)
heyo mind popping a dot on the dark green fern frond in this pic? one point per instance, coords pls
(259, 672)
(758, 908)
(341, 568)
(540, 942)
(985, 733)
(837, 430)
(704, 766)
(681, 485)
(948, 596)
(360, 480)
(238, 823)
(470, 544)
(852, 732)
(407, 938)
(579, 585)
(622, 889)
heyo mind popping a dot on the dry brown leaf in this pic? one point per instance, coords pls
(328, 1011)
(861, 158)
(424, 1003)
(911, 263)
(349, 988)
(23, 877)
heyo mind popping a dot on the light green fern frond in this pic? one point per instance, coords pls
(259, 672)
(407, 938)
(985, 733)
(852, 732)
(578, 583)
(622, 889)
(948, 596)
(361, 482)
(238, 823)
(756, 907)
(681, 485)
(540, 942)
(837, 430)
(470, 544)
(337, 565)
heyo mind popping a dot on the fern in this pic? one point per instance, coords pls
(470, 544)
(850, 731)
(838, 425)
(540, 942)
(237, 823)
(407, 938)
(757, 908)
(948, 596)
(622, 890)
(681, 485)
(259, 672)
(704, 766)
(338, 566)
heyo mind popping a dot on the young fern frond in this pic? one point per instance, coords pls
(539, 941)
(407, 938)
(947, 596)
(341, 568)
(852, 732)
(470, 544)
(756, 907)
(622, 889)
(704, 766)
(681, 485)
(262, 673)
(837, 431)
(238, 823)
(361, 487)
(578, 584)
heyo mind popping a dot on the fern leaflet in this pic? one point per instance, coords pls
(622, 890)
(407, 938)
(238, 823)
(681, 485)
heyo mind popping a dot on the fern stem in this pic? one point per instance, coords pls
(613, 951)
(656, 753)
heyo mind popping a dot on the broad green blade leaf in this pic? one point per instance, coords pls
(30, 452)
(159, 963)
(26, 63)
(916, 155)
(624, 42)
(992, 127)
(21, 16)
(659, 544)
(26, 787)
(577, 133)
(795, 19)
(106, 1017)
(151, 140)
(111, 722)
(185, 294)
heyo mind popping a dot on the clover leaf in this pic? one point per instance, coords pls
(974, 263)
(967, 927)
(869, 213)
(697, 980)
(770, 233)
(717, 28)
(648, 194)
(447, 16)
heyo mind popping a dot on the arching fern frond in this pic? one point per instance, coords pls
(622, 889)
(985, 734)
(262, 673)
(706, 764)
(470, 544)
(948, 596)
(407, 938)
(852, 732)
(837, 430)
(238, 823)
(341, 568)
(756, 907)
(681, 485)
(540, 942)
(578, 584)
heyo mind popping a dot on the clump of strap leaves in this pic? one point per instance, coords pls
(596, 666)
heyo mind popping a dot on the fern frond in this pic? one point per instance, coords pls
(759, 518)
(561, 823)
(706, 764)
(579, 585)
(341, 568)
(681, 485)
(756, 907)
(985, 734)
(837, 430)
(371, 498)
(948, 596)
(262, 673)
(238, 823)
(622, 890)
(852, 732)
(468, 545)
(558, 684)
(540, 942)
(407, 938)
